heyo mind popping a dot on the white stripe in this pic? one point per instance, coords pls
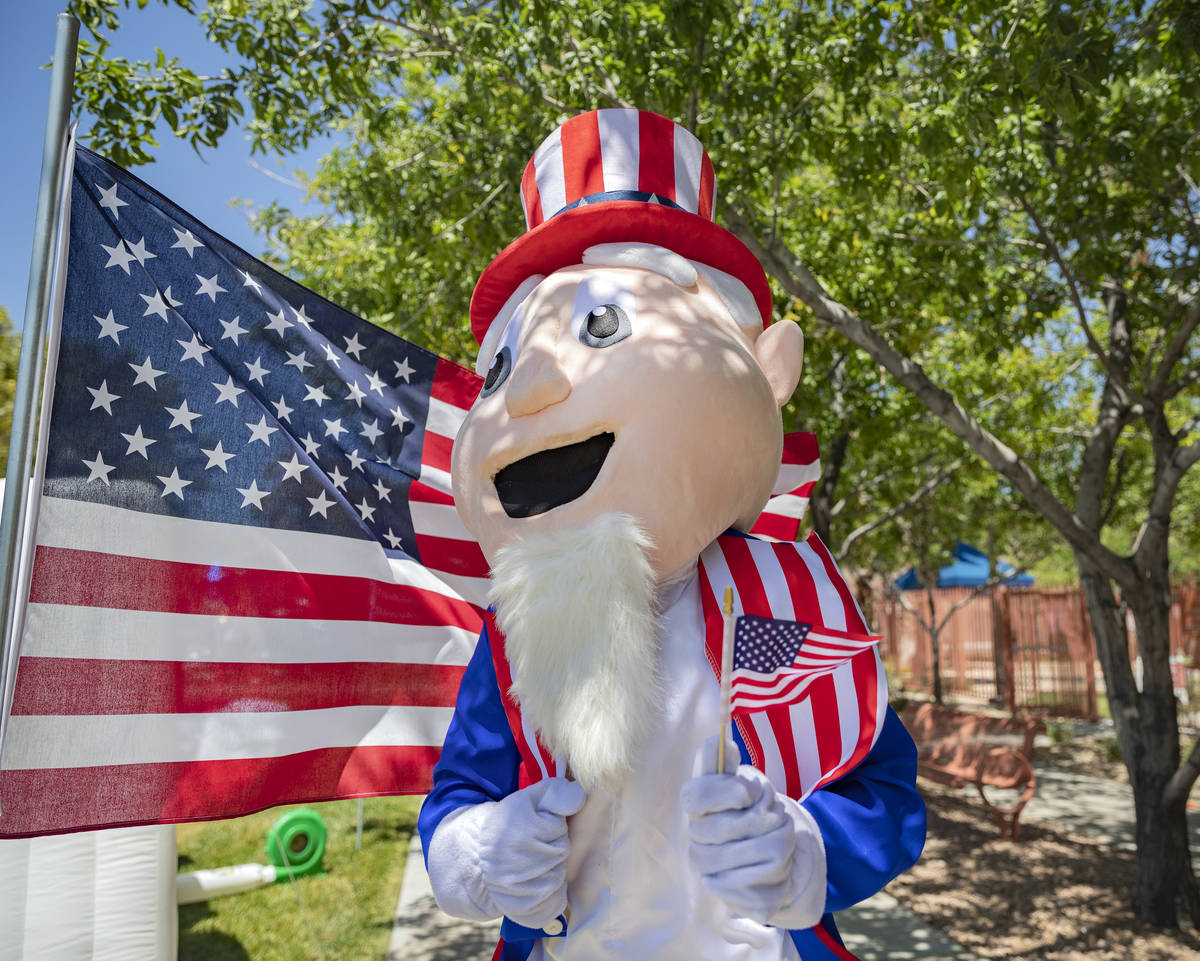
(114, 530)
(719, 578)
(772, 759)
(551, 178)
(775, 585)
(688, 157)
(619, 148)
(530, 736)
(792, 476)
(63, 630)
(847, 701)
(41, 742)
(787, 505)
(808, 759)
(438, 520)
(881, 705)
(444, 419)
(833, 614)
(407, 571)
(436, 478)
(473, 590)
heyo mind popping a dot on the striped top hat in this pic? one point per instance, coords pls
(609, 176)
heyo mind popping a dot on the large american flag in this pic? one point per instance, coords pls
(250, 586)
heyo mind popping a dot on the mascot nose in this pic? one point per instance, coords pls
(538, 381)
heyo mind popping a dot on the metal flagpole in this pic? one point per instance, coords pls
(33, 342)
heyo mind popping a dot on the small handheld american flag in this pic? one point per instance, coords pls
(774, 661)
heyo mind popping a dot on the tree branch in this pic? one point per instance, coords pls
(890, 514)
(799, 282)
(1175, 350)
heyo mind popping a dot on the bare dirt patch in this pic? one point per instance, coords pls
(1053, 896)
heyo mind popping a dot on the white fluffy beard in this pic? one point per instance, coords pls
(578, 612)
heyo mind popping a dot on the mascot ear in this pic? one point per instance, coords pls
(779, 351)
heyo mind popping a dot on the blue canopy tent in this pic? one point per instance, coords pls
(969, 568)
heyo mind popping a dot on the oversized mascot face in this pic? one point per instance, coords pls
(615, 389)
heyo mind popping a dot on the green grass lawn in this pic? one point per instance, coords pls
(345, 913)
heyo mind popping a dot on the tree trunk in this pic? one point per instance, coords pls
(934, 638)
(1147, 730)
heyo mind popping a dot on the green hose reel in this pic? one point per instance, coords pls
(296, 844)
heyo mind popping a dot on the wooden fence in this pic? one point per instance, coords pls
(1027, 649)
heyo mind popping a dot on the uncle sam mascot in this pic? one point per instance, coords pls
(627, 433)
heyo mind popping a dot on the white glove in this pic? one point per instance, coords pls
(506, 857)
(758, 851)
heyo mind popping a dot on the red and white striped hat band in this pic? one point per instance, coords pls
(617, 155)
(615, 176)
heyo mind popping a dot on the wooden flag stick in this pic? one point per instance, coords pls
(726, 676)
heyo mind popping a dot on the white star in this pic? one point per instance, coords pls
(181, 417)
(331, 356)
(302, 318)
(109, 327)
(371, 431)
(398, 418)
(217, 457)
(193, 349)
(159, 303)
(139, 251)
(233, 330)
(257, 370)
(385, 493)
(248, 281)
(310, 446)
(138, 443)
(299, 361)
(356, 393)
(334, 428)
(356, 462)
(98, 469)
(366, 511)
(146, 374)
(375, 382)
(339, 479)
(277, 323)
(261, 431)
(353, 346)
(173, 484)
(252, 495)
(282, 411)
(118, 256)
(320, 504)
(185, 240)
(102, 398)
(393, 539)
(402, 369)
(293, 468)
(316, 394)
(109, 199)
(209, 285)
(228, 391)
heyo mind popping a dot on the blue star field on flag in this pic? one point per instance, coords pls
(765, 644)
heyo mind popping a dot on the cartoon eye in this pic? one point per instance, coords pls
(605, 325)
(498, 373)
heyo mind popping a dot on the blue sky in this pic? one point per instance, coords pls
(203, 185)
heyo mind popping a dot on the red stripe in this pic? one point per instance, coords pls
(833, 944)
(822, 695)
(455, 385)
(745, 576)
(781, 727)
(436, 451)
(854, 621)
(90, 579)
(81, 686)
(707, 186)
(533, 200)
(656, 155)
(800, 447)
(421, 493)
(805, 603)
(529, 772)
(450, 555)
(582, 170)
(58, 800)
(779, 526)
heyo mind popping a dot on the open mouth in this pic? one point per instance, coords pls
(543, 481)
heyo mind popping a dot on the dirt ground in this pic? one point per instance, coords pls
(1054, 896)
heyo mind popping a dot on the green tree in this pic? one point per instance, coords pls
(10, 353)
(1000, 198)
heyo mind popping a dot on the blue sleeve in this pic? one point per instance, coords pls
(480, 759)
(872, 820)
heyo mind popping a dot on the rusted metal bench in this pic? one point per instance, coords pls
(959, 748)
